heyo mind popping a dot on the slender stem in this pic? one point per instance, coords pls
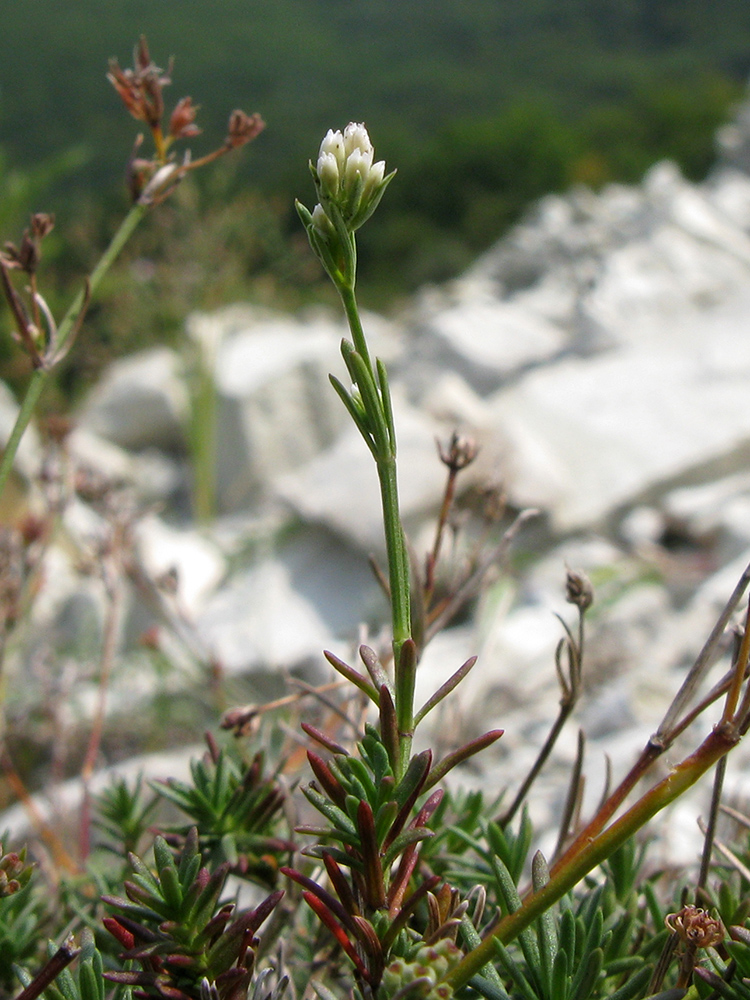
(710, 834)
(203, 438)
(351, 309)
(565, 709)
(59, 961)
(395, 542)
(398, 561)
(67, 326)
(719, 742)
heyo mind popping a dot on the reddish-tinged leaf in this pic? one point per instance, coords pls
(356, 678)
(372, 870)
(318, 891)
(440, 770)
(325, 741)
(388, 725)
(401, 916)
(340, 884)
(328, 782)
(327, 918)
(410, 787)
(122, 934)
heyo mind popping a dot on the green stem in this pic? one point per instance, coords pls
(395, 542)
(714, 747)
(65, 331)
(355, 324)
(203, 438)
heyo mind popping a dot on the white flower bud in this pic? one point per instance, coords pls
(333, 143)
(328, 174)
(356, 137)
(356, 166)
(349, 183)
(321, 221)
(374, 179)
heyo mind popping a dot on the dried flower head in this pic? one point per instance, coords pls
(140, 88)
(696, 927)
(182, 120)
(578, 590)
(26, 257)
(461, 451)
(243, 128)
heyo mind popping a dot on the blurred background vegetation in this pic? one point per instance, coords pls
(483, 105)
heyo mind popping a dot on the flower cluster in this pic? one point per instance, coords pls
(347, 179)
(349, 185)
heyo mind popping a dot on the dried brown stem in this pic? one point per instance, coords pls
(472, 584)
(59, 961)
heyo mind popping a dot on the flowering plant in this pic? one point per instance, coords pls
(410, 891)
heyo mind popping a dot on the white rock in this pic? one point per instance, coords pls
(198, 564)
(259, 620)
(340, 487)
(140, 402)
(588, 435)
(485, 341)
(277, 409)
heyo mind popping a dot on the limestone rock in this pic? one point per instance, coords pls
(140, 402)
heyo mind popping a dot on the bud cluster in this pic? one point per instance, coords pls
(349, 185)
(14, 872)
(346, 176)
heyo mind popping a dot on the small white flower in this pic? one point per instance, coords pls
(333, 144)
(356, 137)
(328, 174)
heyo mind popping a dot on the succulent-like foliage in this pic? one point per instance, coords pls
(122, 814)
(174, 925)
(371, 858)
(236, 809)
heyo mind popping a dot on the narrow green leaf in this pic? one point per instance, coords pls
(387, 402)
(354, 413)
(404, 840)
(545, 925)
(331, 812)
(513, 970)
(588, 974)
(488, 989)
(559, 982)
(634, 986)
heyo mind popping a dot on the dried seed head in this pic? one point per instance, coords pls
(140, 89)
(461, 451)
(182, 121)
(243, 128)
(578, 590)
(42, 223)
(696, 927)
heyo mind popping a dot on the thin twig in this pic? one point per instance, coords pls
(703, 661)
(49, 972)
(710, 829)
(472, 584)
(573, 798)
